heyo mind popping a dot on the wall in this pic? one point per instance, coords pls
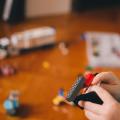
(47, 7)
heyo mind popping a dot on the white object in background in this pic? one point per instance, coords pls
(63, 48)
(106, 43)
(37, 8)
(34, 38)
(4, 41)
(7, 9)
(3, 54)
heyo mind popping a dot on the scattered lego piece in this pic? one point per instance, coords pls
(89, 68)
(61, 92)
(7, 70)
(46, 65)
(63, 48)
(4, 42)
(12, 104)
(3, 54)
(58, 100)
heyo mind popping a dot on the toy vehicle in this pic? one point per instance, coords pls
(27, 40)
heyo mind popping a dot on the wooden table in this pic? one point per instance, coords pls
(37, 85)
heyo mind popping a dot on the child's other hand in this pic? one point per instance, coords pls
(110, 110)
(109, 82)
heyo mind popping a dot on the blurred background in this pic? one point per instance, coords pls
(45, 44)
(32, 9)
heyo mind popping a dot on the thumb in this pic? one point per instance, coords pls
(103, 94)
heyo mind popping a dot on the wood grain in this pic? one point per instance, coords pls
(37, 85)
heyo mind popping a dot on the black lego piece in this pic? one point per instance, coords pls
(76, 88)
(91, 97)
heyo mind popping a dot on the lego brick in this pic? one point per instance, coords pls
(76, 88)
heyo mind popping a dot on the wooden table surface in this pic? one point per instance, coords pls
(37, 85)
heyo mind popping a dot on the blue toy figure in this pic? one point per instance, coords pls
(61, 92)
(12, 103)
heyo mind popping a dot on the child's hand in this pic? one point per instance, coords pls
(109, 82)
(110, 110)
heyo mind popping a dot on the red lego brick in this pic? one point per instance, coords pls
(89, 78)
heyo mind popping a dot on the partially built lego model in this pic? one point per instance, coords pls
(27, 40)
